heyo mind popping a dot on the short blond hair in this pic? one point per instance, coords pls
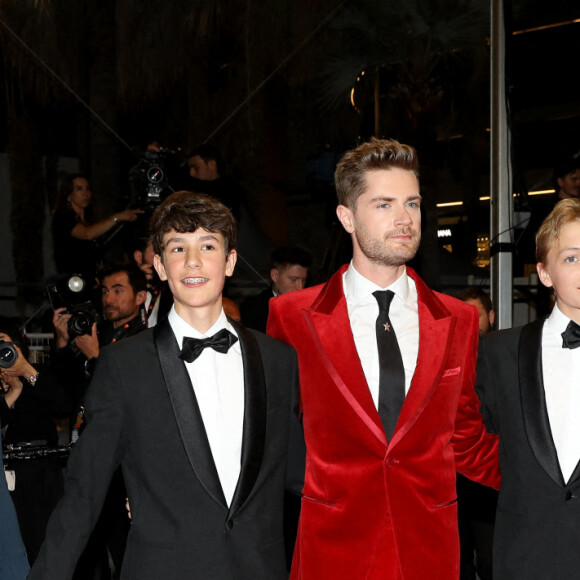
(566, 211)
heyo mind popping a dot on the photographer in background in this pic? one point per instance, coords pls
(31, 398)
(123, 294)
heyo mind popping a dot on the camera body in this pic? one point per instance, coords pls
(81, 320)
(72, 292)
(8, 354)
(151, 178)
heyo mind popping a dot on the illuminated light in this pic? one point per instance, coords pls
(362, 74)
(541, 191)
(450, 204)
(485, 198)
(546, 26)
(446, 233)
(352, 97)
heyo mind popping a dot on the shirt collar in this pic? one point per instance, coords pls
(358, 289)
(181, 328)
(557, 322)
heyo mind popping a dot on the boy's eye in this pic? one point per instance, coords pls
(177, 249)
(571, 259)
(207, 247)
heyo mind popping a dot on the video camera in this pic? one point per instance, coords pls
(151, 178)
(74, 293)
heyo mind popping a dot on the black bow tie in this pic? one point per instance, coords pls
(193, 347)
(571, 336)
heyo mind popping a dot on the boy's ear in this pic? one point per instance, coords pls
(159, 267)
(231, 260)
(543, 275)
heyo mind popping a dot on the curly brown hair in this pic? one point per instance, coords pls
(185, 212)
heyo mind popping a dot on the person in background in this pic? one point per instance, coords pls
(31, 400)
(13, 560)
(205, 169)
(75, 229)
(289, 272)
(476, 504)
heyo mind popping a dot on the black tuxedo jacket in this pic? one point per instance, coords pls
(537, 532)
(142, 414)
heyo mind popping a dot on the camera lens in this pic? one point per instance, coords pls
(80, 323)
(8, 354)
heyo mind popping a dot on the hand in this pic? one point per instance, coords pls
(129, 215)
(11, 385)
(20, 368)
(88, 344)
(60, 322)
(128, 507)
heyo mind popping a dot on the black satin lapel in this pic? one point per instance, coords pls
(187, 411)
(533, 399)
(255, 411)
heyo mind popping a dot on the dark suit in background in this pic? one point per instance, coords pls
(255, 310)
(143, 415)
(13, 561)
(537, 530)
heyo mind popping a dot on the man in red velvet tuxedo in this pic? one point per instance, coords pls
(386, 391)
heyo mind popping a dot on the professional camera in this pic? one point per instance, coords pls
(72, 292)
(151, 178)
(8, 354)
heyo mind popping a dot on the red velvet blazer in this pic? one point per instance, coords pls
(372, 510)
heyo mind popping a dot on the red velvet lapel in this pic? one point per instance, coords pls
(436, 326)
(328, 324)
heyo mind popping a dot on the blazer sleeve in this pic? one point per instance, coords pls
(296, 444)
(476, 450)
(91, 465)
(484, 388)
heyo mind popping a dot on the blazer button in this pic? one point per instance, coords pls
(391, 461)
(568, 495)
(229, 524)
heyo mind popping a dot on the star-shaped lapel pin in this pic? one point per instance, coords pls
(387, 326)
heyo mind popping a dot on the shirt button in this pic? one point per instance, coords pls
(229, 524)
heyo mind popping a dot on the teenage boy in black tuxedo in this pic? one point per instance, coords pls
(528, 380)
(201, 434)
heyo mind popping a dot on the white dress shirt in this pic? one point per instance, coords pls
(154, 314)
(363, 310)
(561, 374)
(218, 384)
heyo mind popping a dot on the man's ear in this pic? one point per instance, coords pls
(345, 215)
(491, 316)
(544, 275)
(159, 267)
(138, 256)
(231, 260)
(212, 165)
(140, 297)
(274, 274)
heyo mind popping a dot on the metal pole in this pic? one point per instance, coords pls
(501, 206)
